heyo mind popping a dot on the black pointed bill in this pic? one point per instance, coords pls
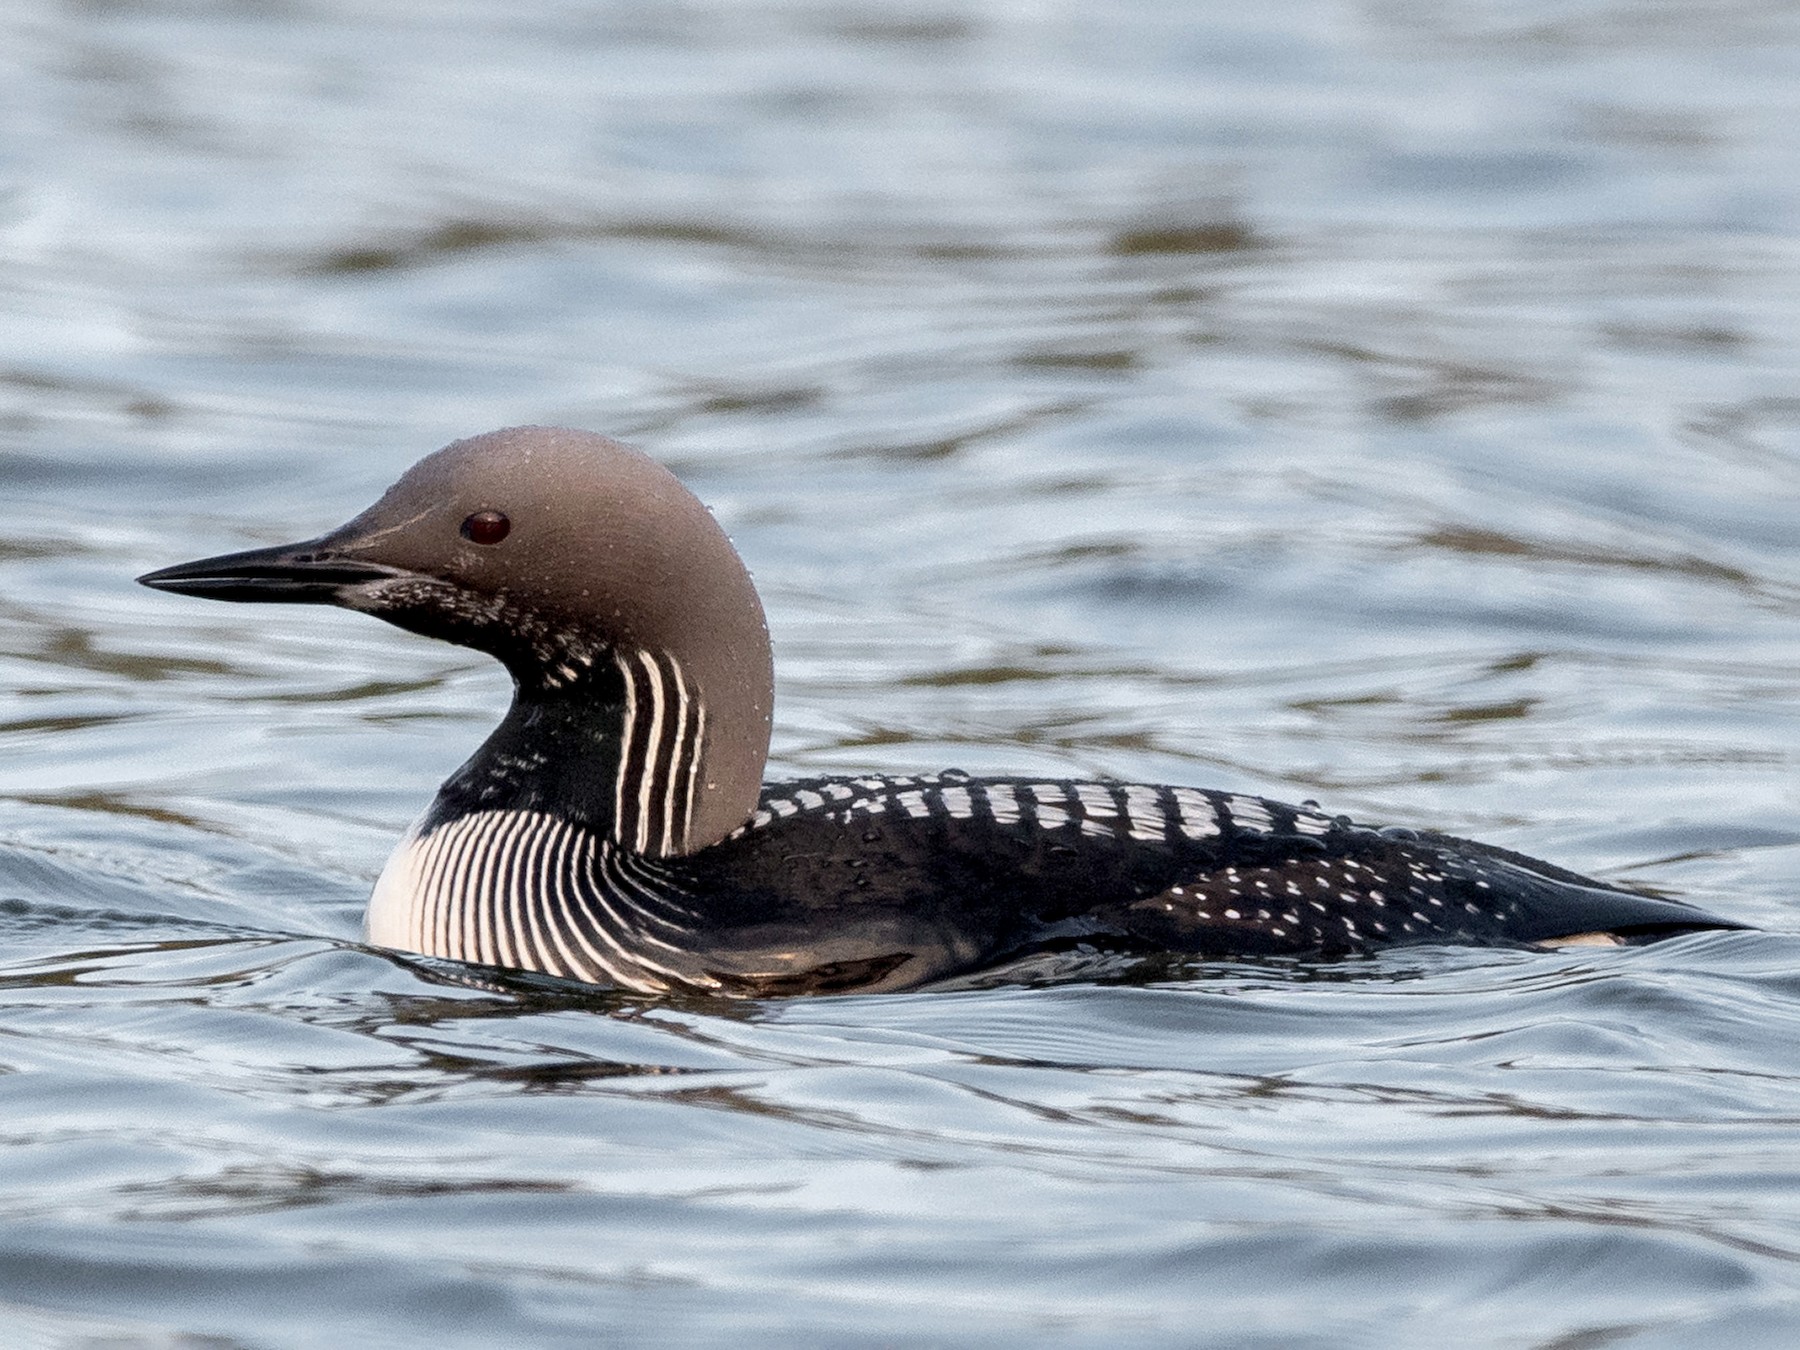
(298, 574)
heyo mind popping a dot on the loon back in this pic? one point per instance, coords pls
(615, 829)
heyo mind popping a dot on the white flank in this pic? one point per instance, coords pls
(395, 911)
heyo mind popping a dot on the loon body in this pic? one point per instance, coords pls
(615, 828)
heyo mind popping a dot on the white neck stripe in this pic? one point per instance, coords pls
(660, 748)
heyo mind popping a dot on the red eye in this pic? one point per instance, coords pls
(486, 527)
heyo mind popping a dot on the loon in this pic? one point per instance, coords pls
(615, 829)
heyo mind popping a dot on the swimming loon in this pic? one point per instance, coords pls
(615, 829)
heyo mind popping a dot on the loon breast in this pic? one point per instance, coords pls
(528, 890)
(615, 829)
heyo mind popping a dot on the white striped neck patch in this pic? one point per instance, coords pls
(620, 748)
(663, 740)
(527, 890)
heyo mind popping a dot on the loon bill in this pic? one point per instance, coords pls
(615, 827)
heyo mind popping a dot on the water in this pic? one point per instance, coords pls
(1393, 404)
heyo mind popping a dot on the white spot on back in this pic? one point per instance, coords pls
(1144, 814)
(1096, 801)
(1198, 818)
(1248, 813)
(1004, 803)
(1050, 799)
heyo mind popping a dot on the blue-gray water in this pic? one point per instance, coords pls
(1391, 403)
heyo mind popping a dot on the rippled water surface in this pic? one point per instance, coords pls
(1391, 403)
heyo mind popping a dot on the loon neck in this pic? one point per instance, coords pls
(624, 744)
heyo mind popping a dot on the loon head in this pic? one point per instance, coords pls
(558, 552)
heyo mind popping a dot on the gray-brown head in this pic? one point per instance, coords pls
(556, 551)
